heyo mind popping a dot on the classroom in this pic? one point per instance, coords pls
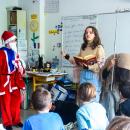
(48, 41)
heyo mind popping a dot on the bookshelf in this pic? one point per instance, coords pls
(16, 22)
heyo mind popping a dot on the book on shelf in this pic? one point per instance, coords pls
(87, 60)
(50, 78)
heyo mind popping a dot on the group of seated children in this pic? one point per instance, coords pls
(90, 115)
(87, 115)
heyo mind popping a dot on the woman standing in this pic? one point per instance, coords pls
(91, 46)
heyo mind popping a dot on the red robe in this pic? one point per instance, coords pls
(11, 82)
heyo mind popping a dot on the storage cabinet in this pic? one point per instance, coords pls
(16, 22)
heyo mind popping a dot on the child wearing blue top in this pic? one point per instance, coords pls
(44, 120)
(90, 115)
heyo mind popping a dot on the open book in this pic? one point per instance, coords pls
(87, 60)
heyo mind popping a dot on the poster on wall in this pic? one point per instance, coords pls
(51, 6)
(22, 44)
(23, 55)
(34, 44)
(34, 25)
(34, 28)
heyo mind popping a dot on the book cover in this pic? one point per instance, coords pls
(87, 60)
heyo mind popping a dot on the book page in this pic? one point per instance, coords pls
(89, 57)
(78, 57)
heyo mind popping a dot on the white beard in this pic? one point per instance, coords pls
(13, 46)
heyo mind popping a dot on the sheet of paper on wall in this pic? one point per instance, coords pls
(22, 44)
(35, 54)
(51, 6)
(23, 55)
(22, 34)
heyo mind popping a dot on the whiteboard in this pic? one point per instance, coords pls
(106, 26)
(113, 28)
(72, 34)
(123, 32)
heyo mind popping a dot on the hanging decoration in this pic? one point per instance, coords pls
(34, 25)
(34, 41)
(57, 30)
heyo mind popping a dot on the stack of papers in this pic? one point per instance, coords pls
(46, 74)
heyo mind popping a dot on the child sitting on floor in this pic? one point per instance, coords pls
(44, 120)
(90, 115)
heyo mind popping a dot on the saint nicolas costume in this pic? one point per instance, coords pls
(11, 82)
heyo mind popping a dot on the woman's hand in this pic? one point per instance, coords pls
(66, 56)
(85, 66)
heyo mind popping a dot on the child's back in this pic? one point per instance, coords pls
(93, 113)
(44, 121)
(90, 115)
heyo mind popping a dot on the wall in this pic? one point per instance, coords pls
(51, 40)
(83, 7)
(3, 14)
(45, 24)
(32, 8)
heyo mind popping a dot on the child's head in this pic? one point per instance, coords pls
(119, 123)
(124, 89)
(86, 92)
(41, 99)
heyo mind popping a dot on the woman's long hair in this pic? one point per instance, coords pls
(96, 40)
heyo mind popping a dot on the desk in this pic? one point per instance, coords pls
(44, 77)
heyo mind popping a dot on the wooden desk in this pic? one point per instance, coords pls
(43, 77)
